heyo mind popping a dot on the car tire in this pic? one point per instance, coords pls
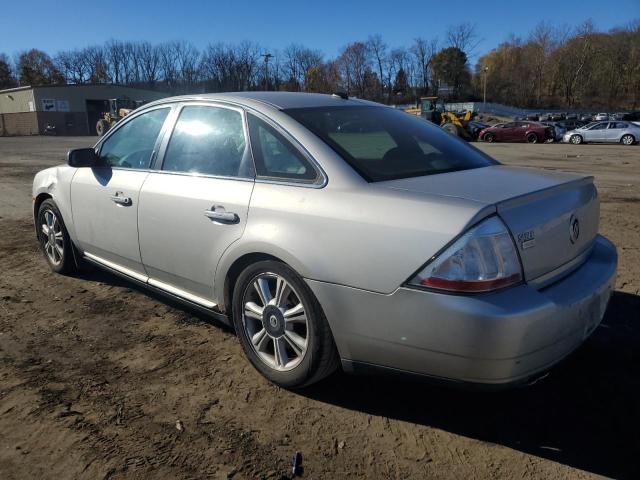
(452, 129)
(532, 138)
(628, 139)
(102, 127)
(489, 137)
(54, 240)
(576, 139)
(281, 326)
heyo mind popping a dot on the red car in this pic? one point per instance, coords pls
(532, 132)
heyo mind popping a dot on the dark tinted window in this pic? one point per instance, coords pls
(275, 156)
(208, 140)
(383, 143)
(599, 126)
(132, 144)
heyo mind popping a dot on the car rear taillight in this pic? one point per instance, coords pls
(481, 260)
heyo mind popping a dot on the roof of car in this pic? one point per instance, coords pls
(279, 100)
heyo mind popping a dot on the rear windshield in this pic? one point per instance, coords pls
(383, 143)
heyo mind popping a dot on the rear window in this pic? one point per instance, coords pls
(383, 143)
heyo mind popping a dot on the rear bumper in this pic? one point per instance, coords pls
(501, 338)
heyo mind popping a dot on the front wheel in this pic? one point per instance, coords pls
(54, 239)
(489, 137)
(532, 138)
(627, 140)
(281, 326)
(576, 139)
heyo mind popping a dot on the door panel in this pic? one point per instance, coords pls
(104, 200)
(614, 132)
(597, 134)
(179, 242)
(106, 226)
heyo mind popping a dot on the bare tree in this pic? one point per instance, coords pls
(463, 37)
(378, 50)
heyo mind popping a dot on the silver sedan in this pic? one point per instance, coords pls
(337, 232)
(623, 132)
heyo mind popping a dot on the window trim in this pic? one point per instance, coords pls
(154, 155)
(162, 150)
(321, 179)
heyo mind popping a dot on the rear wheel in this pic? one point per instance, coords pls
(627, 139)
(54, 239)
(532, 138)
(489, 137)
(281, 326)
(452, 129)
(102, 127)
(576, 139)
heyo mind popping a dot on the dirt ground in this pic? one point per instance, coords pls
(95, 374)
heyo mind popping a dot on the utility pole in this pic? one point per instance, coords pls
(266, 57)
(484, 89)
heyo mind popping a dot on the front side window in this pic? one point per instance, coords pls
(383, 143)
(208, 140)
(131, 146)
(599, 126)
(275, 156)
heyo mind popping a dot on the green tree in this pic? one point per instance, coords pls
(450, 67)
(7, 80)
(35, 67)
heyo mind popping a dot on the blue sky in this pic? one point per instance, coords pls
(325, 24)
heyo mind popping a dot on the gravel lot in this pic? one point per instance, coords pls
(95, 373)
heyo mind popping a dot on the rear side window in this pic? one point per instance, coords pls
(383, 143)
(275, 156)
(132, 144)
(210, 141)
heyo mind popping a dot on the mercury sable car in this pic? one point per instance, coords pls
(331, 231)
(626, 133)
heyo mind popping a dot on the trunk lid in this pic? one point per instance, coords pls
(553, 216)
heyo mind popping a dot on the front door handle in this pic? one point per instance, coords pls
(121, 200)
(227, 218)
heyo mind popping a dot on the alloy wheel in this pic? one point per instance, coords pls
(275, 321)
(627, 139)
(52, 237)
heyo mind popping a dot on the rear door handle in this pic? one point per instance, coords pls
(228, 218)
(121, 200)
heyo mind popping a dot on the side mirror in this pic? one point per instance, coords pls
(82, 157)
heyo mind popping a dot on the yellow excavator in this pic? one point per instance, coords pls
(118, 109)
(433, 109)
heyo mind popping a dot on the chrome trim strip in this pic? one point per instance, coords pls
(119, 268)
(181, 293)
(155, 283)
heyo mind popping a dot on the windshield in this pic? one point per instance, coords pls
(383, 143)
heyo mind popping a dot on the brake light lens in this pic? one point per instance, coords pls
(481, 260)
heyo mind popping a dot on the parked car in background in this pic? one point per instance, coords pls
(521, 131)
(601, 116)
(476, 127)
(572, 124)
(587, 117)
(631, 116)
(534, 117)
(558, 130)
(623, 132)
(330, 231)
(571, 116)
